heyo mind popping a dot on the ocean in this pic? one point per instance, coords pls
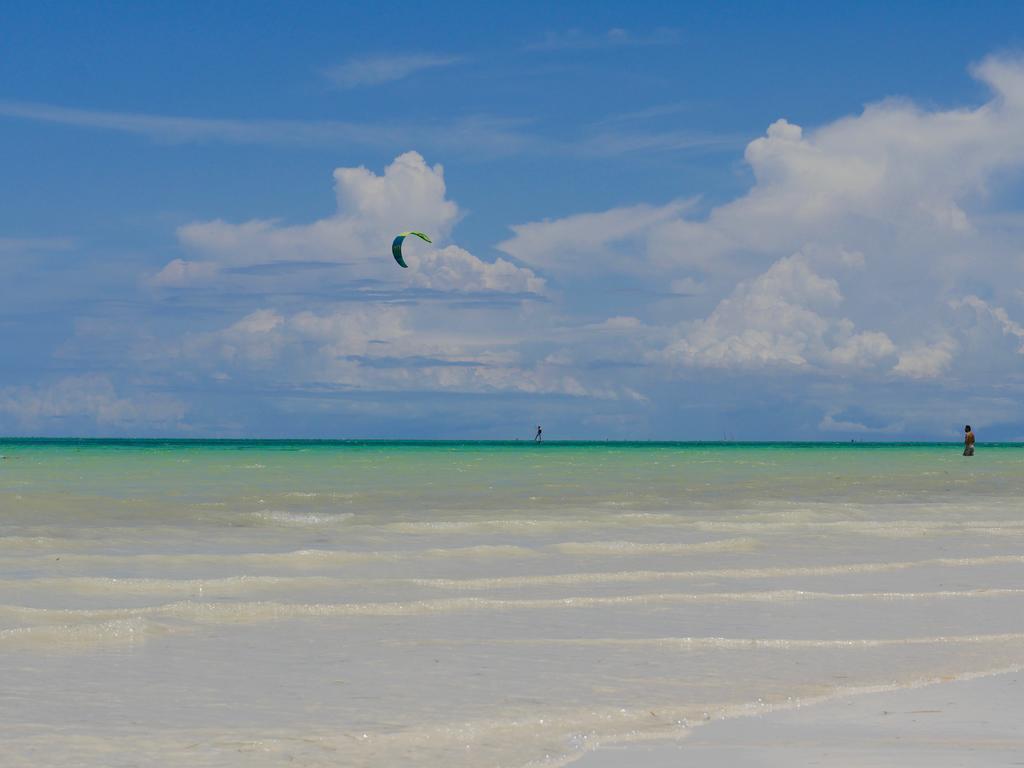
(266, 603)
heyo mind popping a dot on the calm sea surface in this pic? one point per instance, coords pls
(219, 603)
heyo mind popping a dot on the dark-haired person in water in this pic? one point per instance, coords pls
(968, 441)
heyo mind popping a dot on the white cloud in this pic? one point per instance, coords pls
(863, 349)
(455, 269)
(179, 272)
(891, 166)
(613, 241)
(889, 204)
(926, 362)
(90, 397)
(830, 423)
(1000, 316)
(619, 323)
(781, 318)
(253, 338)
(384, 348)
(375, 70)
(873, 256)
(371, 209)
(172, 128)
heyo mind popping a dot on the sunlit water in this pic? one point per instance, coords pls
(450, 604)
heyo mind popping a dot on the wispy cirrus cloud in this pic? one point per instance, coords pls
(378, 69)
(608, 143)
(481, 134)
(473, 133)
(177, 129)
(649, 113)
(616, 37)
(651, 130)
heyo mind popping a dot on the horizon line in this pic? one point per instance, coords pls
(565, 441)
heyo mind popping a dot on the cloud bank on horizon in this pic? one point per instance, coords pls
(867, 283)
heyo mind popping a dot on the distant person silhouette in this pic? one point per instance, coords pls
(968, 441)
(538, 438)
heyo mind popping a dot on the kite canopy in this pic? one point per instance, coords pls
(396, 246)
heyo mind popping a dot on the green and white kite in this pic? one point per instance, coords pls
(396, 246)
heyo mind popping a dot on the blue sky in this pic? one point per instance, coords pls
(651, 220)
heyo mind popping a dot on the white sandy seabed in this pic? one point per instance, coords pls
(940, 724)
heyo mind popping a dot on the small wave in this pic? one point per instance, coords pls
(301, 518)
(333, 495)
(575, 522)
(244, 612)
(127, 631)
(229, 585)
(302, 558)
(236, 585)
(608, 577)
(893, 529)
(741, 643)
(513, 525)
(624, 548)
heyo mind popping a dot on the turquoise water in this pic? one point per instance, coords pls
(460, 603)
(449, 476)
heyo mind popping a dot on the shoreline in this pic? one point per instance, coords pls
(972, 720)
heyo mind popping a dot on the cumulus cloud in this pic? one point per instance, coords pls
(456, 269)
(894, 172)
(862, 349)
(998, 315)
(371, 209)
(846, 252)
(780, 319)
(926, 362)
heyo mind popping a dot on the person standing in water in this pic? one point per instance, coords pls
(538, 438)
(968, 441)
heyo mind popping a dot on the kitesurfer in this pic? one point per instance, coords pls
(538, 438)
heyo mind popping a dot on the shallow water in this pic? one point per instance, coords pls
(259, 603)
